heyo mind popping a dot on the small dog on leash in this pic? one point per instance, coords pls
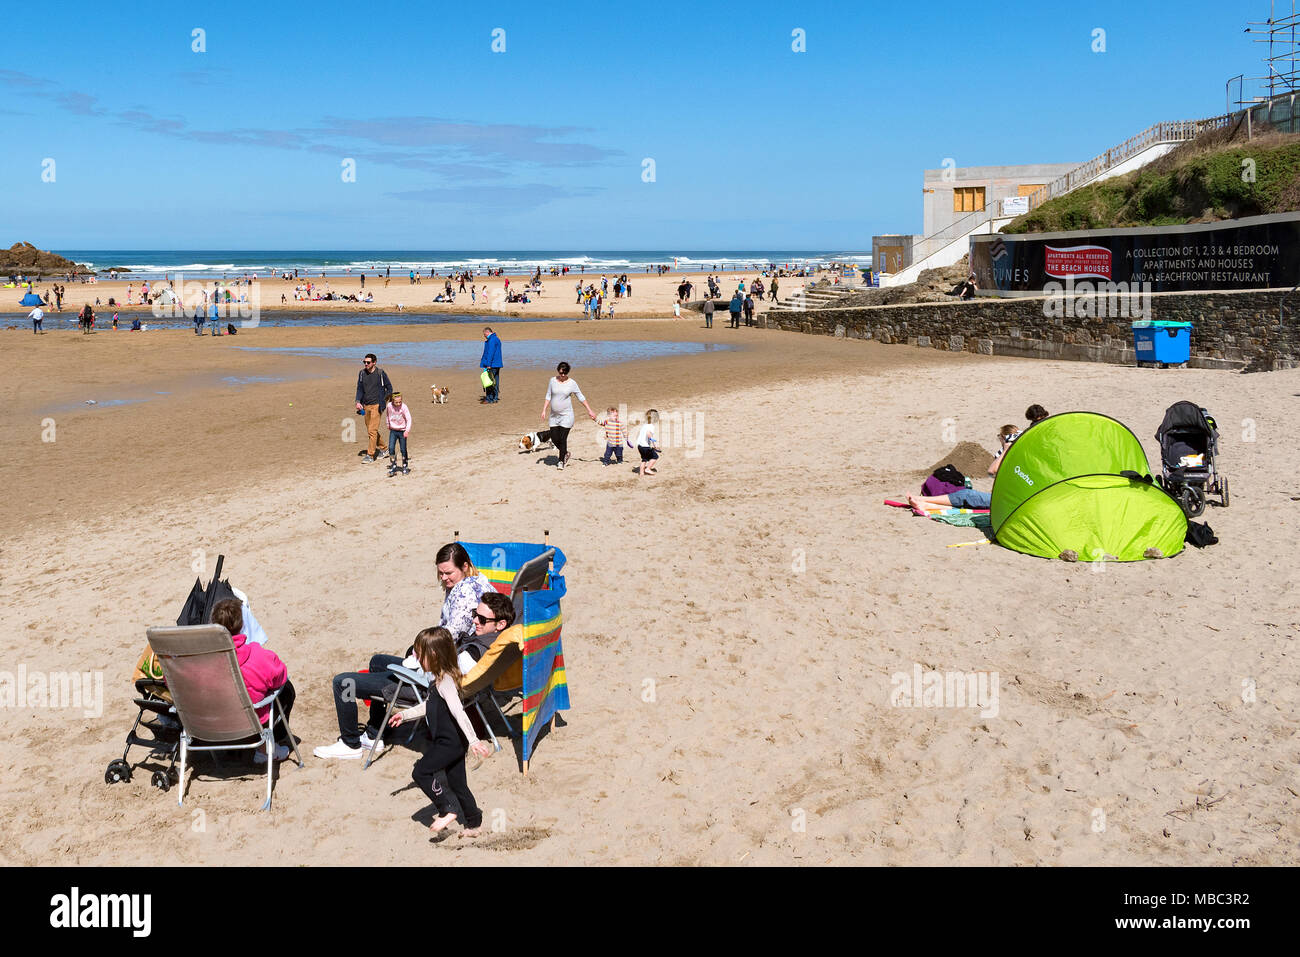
(535, 440)
(440, 393)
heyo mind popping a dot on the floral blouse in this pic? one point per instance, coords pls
(459, 606)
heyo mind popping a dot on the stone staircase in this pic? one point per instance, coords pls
(822, 297)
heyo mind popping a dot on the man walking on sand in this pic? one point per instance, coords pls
(491, 361)
(37, 316)
(373, 390)
(708, 313)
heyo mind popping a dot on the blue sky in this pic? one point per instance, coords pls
(755, 146)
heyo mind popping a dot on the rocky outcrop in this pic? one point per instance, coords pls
(27, 259)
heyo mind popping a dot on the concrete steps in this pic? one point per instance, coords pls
(821, 298)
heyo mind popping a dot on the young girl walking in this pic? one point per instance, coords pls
(449, 733)
(647, 443)
(398, 416)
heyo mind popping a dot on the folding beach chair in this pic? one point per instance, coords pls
(202, 673)
(410, 689)
(500, 669)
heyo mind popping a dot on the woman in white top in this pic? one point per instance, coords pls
(557, 410)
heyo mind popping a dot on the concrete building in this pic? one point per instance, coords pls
(892, 252)
(953, 192)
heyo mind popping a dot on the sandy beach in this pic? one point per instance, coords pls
(757, 585)
(652, 295)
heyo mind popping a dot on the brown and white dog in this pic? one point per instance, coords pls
(440, 393)
(535, 440)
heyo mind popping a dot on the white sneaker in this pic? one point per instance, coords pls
(281, 752)
(367, 742)
(560, 466)
(337, 750)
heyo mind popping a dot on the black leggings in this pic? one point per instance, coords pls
(447, 756)
(560, 438)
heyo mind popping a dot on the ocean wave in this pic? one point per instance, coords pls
(515, 262)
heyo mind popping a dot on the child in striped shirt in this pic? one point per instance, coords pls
(615, 436)
(398, 416)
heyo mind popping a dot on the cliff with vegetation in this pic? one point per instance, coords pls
(1219, 175)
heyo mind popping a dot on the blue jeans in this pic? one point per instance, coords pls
(970, 498)
(395, 437)
(494, 390)
(614, 451)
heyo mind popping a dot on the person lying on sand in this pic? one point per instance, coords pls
(968, 497)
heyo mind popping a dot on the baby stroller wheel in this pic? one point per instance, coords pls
(1223, 491)
(1192, 499)
(118, 770)
(161, 780)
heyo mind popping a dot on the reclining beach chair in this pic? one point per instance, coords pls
(202, 673)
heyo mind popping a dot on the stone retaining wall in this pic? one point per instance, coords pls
(1229, 329)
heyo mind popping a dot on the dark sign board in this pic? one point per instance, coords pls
(1261, 252)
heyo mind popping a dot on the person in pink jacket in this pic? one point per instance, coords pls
(398, 415)
(262, 671)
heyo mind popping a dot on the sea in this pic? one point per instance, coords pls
(229, 263)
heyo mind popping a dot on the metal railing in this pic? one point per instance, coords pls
(955, 230)
(1176, 132)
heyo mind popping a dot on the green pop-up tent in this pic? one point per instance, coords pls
(1079, 481)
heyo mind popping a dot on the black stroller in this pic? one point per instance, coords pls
(1189, 444)
(152, 700)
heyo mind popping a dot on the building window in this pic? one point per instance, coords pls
(967, 199)
(1028, 189)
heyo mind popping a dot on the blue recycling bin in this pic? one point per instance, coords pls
(1163, 342)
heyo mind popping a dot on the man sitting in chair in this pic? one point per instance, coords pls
(494, 615)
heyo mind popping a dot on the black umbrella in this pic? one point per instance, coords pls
(199, 604)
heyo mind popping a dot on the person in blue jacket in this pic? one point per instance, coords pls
(491, 361)
(736, 304)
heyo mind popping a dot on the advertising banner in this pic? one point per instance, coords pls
(1261, 252)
